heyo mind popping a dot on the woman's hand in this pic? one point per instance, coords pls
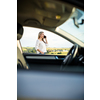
(46, 40)
(42, 52)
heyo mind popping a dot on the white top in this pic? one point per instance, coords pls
(41, 46)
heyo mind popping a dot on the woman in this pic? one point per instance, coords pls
(41, 44)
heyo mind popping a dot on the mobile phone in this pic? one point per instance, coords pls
(44, 36)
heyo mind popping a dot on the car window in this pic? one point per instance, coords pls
(56, 44)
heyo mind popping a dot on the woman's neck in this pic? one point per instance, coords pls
(40, 39)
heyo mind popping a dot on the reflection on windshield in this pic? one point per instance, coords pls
(70, 27)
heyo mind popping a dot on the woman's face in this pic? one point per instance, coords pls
(42, 35)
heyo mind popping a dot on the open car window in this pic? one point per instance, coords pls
(56, 44)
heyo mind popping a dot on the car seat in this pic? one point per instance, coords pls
(21, 63)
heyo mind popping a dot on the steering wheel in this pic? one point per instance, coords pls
(70, 56)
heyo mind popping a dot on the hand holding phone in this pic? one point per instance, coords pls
(44, 36)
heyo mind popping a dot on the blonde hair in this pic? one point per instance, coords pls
(39, 36)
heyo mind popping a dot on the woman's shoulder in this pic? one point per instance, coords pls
(38, 40)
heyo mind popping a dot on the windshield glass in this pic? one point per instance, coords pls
(70, 27)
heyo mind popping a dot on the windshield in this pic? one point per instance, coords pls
(70, 27)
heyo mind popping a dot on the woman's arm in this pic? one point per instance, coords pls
(46, 40)
(40, 51)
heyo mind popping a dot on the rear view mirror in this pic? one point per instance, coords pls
(76, 16)
(76, 22)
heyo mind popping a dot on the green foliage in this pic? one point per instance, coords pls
(52, 51)
(48, 51)
(59, 53)
(28, 50)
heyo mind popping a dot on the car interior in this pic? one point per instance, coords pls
(49, 77)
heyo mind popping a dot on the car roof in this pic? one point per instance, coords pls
(43, 13)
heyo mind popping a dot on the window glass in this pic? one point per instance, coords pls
(56, 44)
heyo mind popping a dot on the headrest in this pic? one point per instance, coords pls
(19, 31)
